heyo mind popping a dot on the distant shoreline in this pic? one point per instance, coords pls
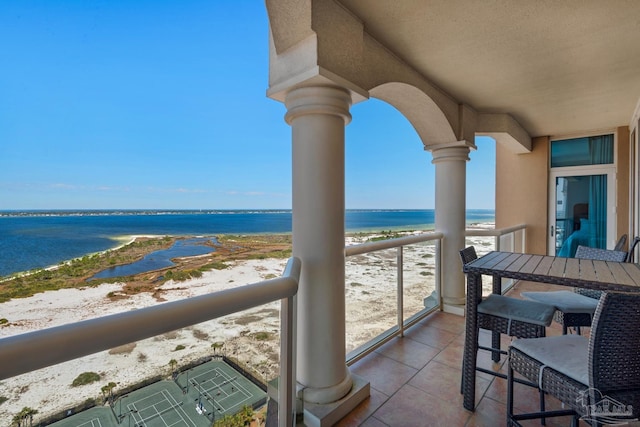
(42, 239)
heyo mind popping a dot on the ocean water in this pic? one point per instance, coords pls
(38, 239)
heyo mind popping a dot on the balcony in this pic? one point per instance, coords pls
(415, 379)
(413, 367)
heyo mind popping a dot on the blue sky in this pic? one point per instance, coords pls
(161, 104)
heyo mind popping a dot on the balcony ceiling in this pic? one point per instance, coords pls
(558, 67)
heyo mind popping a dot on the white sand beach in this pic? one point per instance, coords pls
(250, 336)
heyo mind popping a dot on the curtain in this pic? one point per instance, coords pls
(600, 152)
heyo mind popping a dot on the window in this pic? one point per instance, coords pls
(591, 150)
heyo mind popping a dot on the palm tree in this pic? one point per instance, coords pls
(25, 414)
(246, 415)
(111, 386)
(30, 413)
(172, 365)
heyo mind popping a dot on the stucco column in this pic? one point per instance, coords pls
(450, 161)
(318, 116)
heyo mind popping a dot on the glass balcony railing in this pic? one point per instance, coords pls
(512, 239)
(389, 285)
(392, 284)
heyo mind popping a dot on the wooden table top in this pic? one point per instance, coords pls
(583, 273)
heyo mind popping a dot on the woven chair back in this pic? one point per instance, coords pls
(467, 255)
(597, 254)
(614, 365)
(622, 241)
(586, 252)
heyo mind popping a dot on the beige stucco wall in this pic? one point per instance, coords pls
(521, 192)
(522, 189)
(623, 176)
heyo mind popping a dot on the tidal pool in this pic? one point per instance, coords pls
(161, 259)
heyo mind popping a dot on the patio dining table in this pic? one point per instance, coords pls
(582, 273)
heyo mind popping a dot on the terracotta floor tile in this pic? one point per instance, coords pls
(384, 374)
(408, 351)
(434, 337)
(446, 321)
(413, 407)
(442, 381)
(364, 410)
(489, 413)
(374, 422)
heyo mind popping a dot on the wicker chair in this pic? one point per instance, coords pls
(510, 316)
(632, 248)
(600, 381)
(622, 242)
(576, 309)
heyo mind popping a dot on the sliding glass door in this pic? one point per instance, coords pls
(581, 213)
(582, 194)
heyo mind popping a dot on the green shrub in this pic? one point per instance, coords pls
(262, 336)
(85, 378)
(179, 347)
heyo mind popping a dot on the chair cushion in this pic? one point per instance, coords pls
(565, 301)
(567, 354)
(517, 309)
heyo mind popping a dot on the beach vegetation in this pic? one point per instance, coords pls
(262, 336)
(386, 235)
(107, 391)
(4, 321)
(26, 414)
(173, 364)
(3, 399)
(179, 347)
(217, 265)
(76, 273)
(200, 334)
(85, 378)
(240, 419)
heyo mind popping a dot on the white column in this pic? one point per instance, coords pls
(318, 116)
(450, 161)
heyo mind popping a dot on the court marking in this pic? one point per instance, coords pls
(91, 423)
(174, 407)
(218, 387)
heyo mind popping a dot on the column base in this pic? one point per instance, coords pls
(317, 415)
(326, 395)
(323, 415)
(454, 309)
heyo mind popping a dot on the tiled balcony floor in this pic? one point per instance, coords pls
(415, 380)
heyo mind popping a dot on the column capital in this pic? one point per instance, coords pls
(458, 150)
(329, 100)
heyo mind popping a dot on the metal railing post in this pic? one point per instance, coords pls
(438, 284)
(400, 290)
(286, 397)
